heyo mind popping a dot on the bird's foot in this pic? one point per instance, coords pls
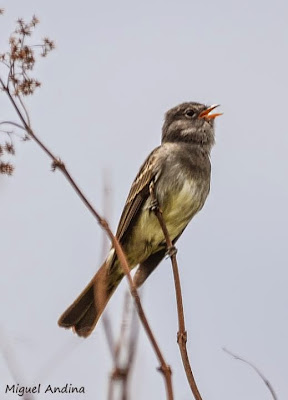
(171, 251)
(154, 205)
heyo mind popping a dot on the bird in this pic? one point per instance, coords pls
(179, 170)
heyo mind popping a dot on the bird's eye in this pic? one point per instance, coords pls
(189, 113)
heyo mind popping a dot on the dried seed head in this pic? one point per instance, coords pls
(9, 148)
(6, 168)
(21, 58)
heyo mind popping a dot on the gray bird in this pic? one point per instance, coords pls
(180, 171)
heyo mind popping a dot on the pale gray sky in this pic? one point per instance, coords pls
(117, 68)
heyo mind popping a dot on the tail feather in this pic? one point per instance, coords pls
(84, 313)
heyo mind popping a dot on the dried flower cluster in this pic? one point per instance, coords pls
(20, 59)
(6, 168)
(6, 149)
(17, 82)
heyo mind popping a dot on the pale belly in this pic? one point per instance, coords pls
(147, 236)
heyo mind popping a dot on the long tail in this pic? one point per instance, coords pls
(84, 313)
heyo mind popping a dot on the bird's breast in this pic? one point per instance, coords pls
(179, 203)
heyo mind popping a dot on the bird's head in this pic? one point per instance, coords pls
(190, 123)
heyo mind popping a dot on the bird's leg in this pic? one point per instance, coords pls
(171, 249)
(154, 206)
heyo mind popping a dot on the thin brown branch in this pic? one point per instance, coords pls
(24, 109)
(120, 373)
(106, 211)
(263, 377)
(134, 330)
(132, 345)
(123, 328)
(109, 334)
(57, 163)
(182, 334)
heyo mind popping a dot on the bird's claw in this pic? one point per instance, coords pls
(171, 251)
(154, 205)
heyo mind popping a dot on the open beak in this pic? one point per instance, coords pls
(206, 113)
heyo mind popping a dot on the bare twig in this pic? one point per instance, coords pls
(264, 379)
(122, 369)
(182, 334)
(132, 343)
(106, 211)
(24, 109)
(118, 373)
(13, 124)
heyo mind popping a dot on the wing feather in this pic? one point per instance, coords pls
(139, 192)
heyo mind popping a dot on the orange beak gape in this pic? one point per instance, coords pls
(206, 113)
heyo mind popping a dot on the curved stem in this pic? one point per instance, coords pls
(262, 376)
(13, 123)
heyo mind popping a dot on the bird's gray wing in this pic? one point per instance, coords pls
(138, 194)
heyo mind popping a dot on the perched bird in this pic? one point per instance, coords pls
(179, 170)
